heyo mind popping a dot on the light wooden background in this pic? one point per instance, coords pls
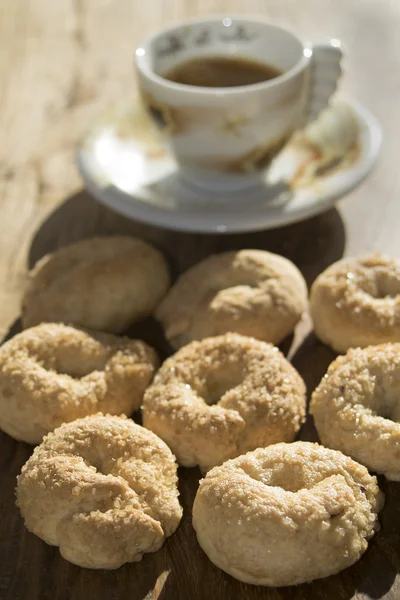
(61, 62)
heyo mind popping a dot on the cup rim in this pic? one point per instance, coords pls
(143, 67)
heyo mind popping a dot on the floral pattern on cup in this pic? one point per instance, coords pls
(178, 120)
(176, 43)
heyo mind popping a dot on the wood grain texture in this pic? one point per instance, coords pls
(60, 64)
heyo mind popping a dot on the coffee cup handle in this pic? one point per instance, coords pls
(325, 74)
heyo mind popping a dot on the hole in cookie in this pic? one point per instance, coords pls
(379, 284)
(291, 477)
(387, 285)
(221, 381)
(389, 410)
(291, 480)
(383, 398)
(382, 294)
(384, 412)
(337, 513)
(99, 468)
(77, 371)
(92, 459)
(75, 362)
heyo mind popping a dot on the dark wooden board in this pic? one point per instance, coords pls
(31, 570)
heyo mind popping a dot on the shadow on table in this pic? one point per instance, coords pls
(13, 329)
(312, 359)
(312, 244)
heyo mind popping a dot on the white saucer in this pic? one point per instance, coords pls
(124, 166)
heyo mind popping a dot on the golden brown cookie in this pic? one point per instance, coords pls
(252, 292)
(286, 514)
(356, 407)
(54, 373)
(101, 488)
(356, 302)
(222, 396)
(102, 283)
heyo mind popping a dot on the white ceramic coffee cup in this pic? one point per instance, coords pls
(223, 138)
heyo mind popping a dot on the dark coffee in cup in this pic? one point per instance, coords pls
(221, 71)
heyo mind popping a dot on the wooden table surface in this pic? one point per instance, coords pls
(61, 62)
